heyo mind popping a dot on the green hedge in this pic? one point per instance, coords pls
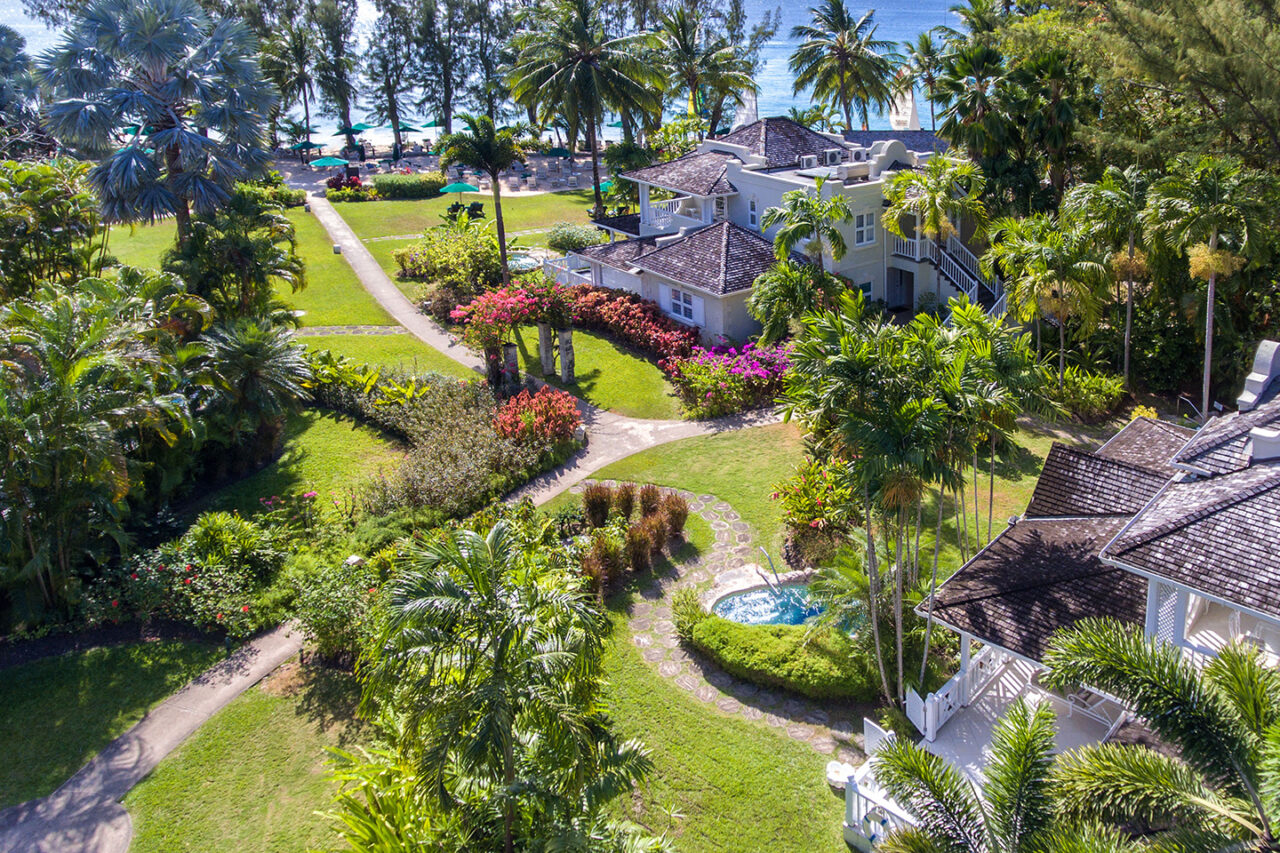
(281, 195)
(821, 665)
(401, 187)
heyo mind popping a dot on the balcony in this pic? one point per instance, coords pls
(667, 217)
(568, 270)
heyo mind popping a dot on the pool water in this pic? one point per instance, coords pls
(523, 263)
(787, 604)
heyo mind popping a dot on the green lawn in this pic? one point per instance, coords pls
(402, 350)
(55, 714)
(608, 376)
(323, 452)
(252, 778)
(333, 295)
(519, 213)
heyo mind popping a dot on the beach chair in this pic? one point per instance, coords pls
(573, 182)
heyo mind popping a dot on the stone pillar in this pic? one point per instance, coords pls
(510, 369)
(566, 356)
(493, 368)
(546, 350)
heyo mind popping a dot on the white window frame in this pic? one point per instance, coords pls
(753, 213)
(864, 229)
(865, 287)
(684, 306)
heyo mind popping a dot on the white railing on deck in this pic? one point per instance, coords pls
(906, 248)
(954, 272)
(930, 714)
(662, 215)
(870, 814)
(566, 271)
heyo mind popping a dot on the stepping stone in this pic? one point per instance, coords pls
(723, 507)
(654, 655)
(670, 641)
(817, 717)
(728, 704)
(707, 693)
(680, 655)
(670, 668)
(742, 527)
(706, 499)
(730, 515)
(688, 682)
(775, 721)
(799, 732)
(641, 624)
(825, 745)
(744, 538)
(644, 641)
(752, 713)
(664, 627)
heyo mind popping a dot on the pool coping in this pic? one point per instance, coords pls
(749, 577)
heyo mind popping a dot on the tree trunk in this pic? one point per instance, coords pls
(502, 231)
(897, 602)
(873, 585)
(1128, 311)
(933, 589)
(1208, 334)
(991, 486)
(510, 370)
(546, 350)
(306, 117)
(1062, 351)
(593, 144)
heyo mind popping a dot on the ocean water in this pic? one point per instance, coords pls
(896, 20)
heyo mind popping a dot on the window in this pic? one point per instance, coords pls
(864, 229)
(682, 304)
(753, 214)
(865, 287)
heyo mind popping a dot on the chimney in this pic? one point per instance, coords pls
(1266, 368)
(1266, 444)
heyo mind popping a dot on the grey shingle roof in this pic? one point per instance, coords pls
(1147, 443)
(1036, 578)
(914, 140)
(721, 258)
(696, 174)
(620, 253)
(1221, 445)
(1079, 483)
(780, 141)
(627, 223)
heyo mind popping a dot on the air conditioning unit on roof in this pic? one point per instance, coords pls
(832, 156)
(809, 161)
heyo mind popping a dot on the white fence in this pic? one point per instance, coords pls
(906, 248)
(870, 815)
(930, 714)
(567, 270)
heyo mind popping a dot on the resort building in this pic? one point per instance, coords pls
(1170, 530)
(696, 244)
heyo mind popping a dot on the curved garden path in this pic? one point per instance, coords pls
(831, 728)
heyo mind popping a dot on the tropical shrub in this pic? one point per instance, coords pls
(632, 320)
(1088, 396)
(817, 497)
(596, 499)
(553, 302)
(675, 512)
(724, 380)
(335, 607)
(650, 499)
(821, 664)
(49, 221)
(417, 186)
(566, 237)
(624, 500)
(463, 261)
(686, 612)
(345, 182)
(654, 530)
(351, 194)
(229, 539)
(279, 194)
(548, 417)
(637, 549)
(490, 319)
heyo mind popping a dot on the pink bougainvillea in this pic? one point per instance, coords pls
(725, 379)
(488, 320)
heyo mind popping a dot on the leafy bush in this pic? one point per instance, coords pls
(335, 607)
(596, 499)
(416, 186)
(489, 319)
(463, 261)
(548, 417)
(637, 322)
(278, 194)
(654, 530)
(725, 380)
(650, 499)
(675, 512)
(344, 182)
(638, 549)
(1090, 397)
(351, 194)
(567, 237)
(686, 612)
(820, 665)
(817, 497)
(624, 500)
(227, 539)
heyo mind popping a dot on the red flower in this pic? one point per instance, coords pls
(134, 576)
(115, 603)
(186, 580)
(188, 567)
(372, 590)
(244, 609)
(219, 616)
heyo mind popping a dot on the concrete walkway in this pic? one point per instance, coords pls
(85, 814)
(610, 436)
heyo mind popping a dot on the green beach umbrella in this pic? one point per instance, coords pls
(434, 123)
(303, 146)
(343, 131)
(459, 187)
(362, 127)
(605, 186)
(614, 124)
(408, 128)
(559, 152)
(329, 161)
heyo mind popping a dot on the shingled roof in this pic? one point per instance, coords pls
(1148, 443)
(720, 258)
(781, 141)
(621, 253)
(1080, 483)
(695, 174)
(914, 140)
(1036, 578)
(1222, 444)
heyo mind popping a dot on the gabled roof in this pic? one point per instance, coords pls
(914, 140)
(1080, 483)
(1221, 445)
(696, 174)
(621, 253)
(1217, 535)
(1036, 578)
(720, 258)
(781, 141)
(1148, 443)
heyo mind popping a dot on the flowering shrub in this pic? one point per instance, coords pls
(343, 182)
(343, 188)
(490, 318)
(547, 418)
(723, 380)
(632, 320)
(553, 302)
(335, 608)
(817, 497)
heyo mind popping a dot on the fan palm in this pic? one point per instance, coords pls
(694, 60)
(1207, 204)
(970, 88)
(1115, 209)
(288, 59)
(787, 292)
(806, 219)
(569, 63)
(189, 91)
(489, 150)
(840, 59)
(1219, 793)
(923, 63)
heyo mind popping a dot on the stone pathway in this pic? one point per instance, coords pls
(85, 814)
(525, 233)
(828, 727)
(306, 331)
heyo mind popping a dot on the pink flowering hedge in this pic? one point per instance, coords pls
(724, 380)
(548, 417)
(632, 320)
(489, 320)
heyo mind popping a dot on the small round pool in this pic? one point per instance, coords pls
(785, 604)
(523, 263)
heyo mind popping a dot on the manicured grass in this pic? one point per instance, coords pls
(57, 713)
(323, 452)
(401, 350)
(608, 376)
(252, 778)
(383, 252)
(519, 213)
(141, 245)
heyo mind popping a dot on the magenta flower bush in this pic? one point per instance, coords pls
(723, 380)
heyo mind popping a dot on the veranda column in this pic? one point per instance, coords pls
(964, 668)
(566, 356)
(510, 370)
(546, 350)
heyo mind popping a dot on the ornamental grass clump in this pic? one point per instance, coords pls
(650, 499)
(638, 549)
(596, 500)
(624, 500)
(654, 530)
(675, 512)
(725, 380)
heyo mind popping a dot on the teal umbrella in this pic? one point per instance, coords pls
(459, 187)
(343, 131)
(605, 186)
(303, 146)
(325, 162)
(559, 152)
(408, 128)
(434, 123)
(362, 127)
(614, 124)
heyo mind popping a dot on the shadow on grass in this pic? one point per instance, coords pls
(329, 699)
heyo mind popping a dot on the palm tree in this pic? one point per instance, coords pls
(570, 63)
(923, 64)
(1219, 793)
(787, 292)
(937, 197)
(695, 61)
(809, 220)
(1114, 208)
(187, 93)
(840, 58)
(288, 59)
(1015, 812)
(491, 151)
(1202, 205)
(970, 88)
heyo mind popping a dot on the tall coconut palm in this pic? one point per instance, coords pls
(970, 87)
(1218, 793)
(489, 150)
(288, 59)
(840, 59)
(923, 63)
(570, 62)
(186, 92)
(1216, 208)
(694, 60)
(808, 220)
(786, 293)
(1015, 812)
(1115, 209)
(947, 190)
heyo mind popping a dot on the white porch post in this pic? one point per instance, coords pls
(1180, 617)
(708, 210)
(1153, 607)
(646, 216)
(964, 667)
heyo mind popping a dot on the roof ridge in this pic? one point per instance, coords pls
(724, 254)
(1244, 424)
(1124, 463)
(1167, 527)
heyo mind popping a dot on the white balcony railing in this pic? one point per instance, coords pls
(662, 216)
(906, 248)
(568, 270)
(930, 714)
